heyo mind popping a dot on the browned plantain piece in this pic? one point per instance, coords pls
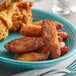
(25, 44)
(31, 57)
(57, 24)
(62, 44)
(64, 35)
(35, 29)
(51, 38)
(44, 49)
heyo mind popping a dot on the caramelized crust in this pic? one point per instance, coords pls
(4, 5)
(31, 57)
(51, 38)
(25, 44)
(35, 28)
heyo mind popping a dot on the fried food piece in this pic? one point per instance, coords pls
(32, 57)
(6, 15)
(22, 15)
(28, 44)
(14, 15)
(64, 35)
(50, 38)
(57, 24)
(38, 23)
(31, 31)
(35, 29)
(44, 49)
(25, 44)
(3, 31)
(5, 22)
(4, 5)
(64, 50)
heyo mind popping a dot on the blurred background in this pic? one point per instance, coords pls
(64, 8)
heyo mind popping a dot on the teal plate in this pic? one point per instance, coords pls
(6, 57)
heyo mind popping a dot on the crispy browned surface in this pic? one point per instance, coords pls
(35, 28)
(28, 44)
(43, 49)
(57, 24)
(15, 15)
(64, 35)
(3, 31)
(22, 15)
(31, 31)
(51, 38)
(32, 57)
(5, 21)
(25, 44)
(6, 15)
(4, 5)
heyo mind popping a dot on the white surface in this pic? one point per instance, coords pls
(43, 5)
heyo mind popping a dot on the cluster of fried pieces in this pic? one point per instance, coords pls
(41, 40)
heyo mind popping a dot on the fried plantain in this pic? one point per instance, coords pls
(25, 44)
(31, 57)
(57, 24)
(35, 29)
(50, 37)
